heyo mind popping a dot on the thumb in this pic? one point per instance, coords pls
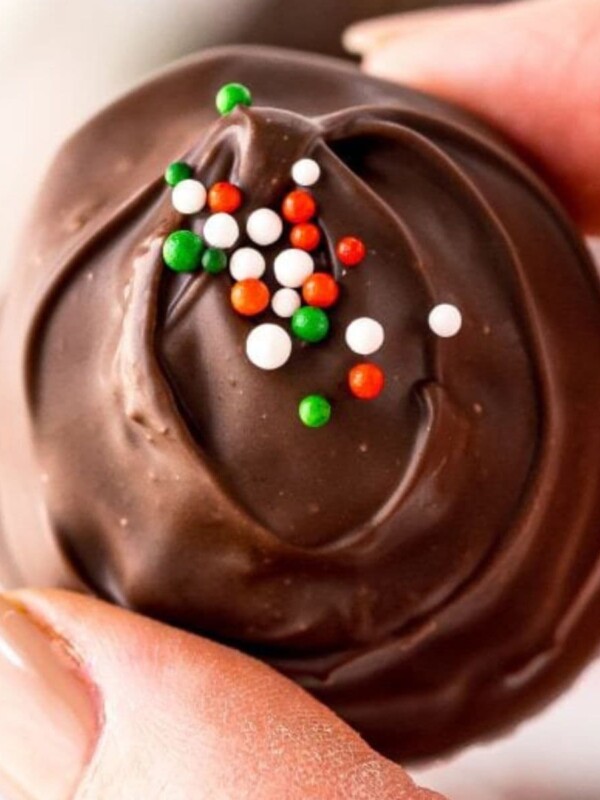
(97, 702)
(529, 68)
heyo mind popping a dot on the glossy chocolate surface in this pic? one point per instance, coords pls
(427, 563)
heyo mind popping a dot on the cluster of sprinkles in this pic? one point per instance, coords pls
(305, 295)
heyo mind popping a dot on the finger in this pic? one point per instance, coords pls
(361, 37)
(114, 705)
(529, 68)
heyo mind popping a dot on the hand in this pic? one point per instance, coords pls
(529, 68)
(102, 704)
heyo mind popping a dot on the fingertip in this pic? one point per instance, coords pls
(352, 40)
(367, 35)
(359, 38)
(49, 707)
(403, 60)
(182, 709)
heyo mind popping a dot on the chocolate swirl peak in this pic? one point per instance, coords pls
(427, 562)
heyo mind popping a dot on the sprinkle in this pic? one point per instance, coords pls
(305, 236)
(268, 346)
(364, 336)
(224, 196)
(250, 297)
(232, 95)
(310, 324)
(350, 250)
(306, 172)
(247, 263)
(189, 196)
(314, 411)
(176, 172)
(221, 230)
(182, 251)
(292, 267)
(214, 261)
(321, 290)
(366, 381)
(264, 226)
(285, 302)
(298, 206)
(445, 320)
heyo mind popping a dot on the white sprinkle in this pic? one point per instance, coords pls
(285, 302)
(445, 320)
(221, 230)
(264, 226)
(292, 267)
(188, 196)
(268, 346)
(306, 172)
(364, 336)
(246, 263)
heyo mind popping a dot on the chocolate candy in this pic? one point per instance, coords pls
(426, 562)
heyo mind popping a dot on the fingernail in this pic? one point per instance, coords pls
(363, 37)
(48, 718)
(360, 38)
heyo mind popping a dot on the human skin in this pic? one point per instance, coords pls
(143, 710)
(530, 68)
(173, 716)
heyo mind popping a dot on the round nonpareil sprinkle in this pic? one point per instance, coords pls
(182, 251)
(310, 324)
(246, 263)
(364, 336)
(366, 381)
(292, 267)
(321, 290)
(299, 206)
(264, 226)
(224, 196)
(250, 297)
(176, 172)
(231, 96)
(306, 172)
(350, 250)
(268, 346)
(188, 196)
(445, 320)
(221, 230)
(214, 261)
(305, 236)
(314, 411)
(285, 302)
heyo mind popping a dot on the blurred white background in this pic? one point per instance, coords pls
(60, 60)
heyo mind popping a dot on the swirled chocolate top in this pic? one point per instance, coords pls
(419, 545)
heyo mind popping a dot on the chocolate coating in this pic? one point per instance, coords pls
(427, 563)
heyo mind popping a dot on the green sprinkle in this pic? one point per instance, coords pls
(232, 95)
(214, 260)
(182, 251)
(310, 324)
(176, 172)
(314, 411)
